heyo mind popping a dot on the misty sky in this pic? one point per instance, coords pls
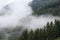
(5, 2)
(19, 9)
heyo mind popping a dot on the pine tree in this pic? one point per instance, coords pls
(36, 35)
(41, 34)
(24, 35)
(30, 35)
(57, 24)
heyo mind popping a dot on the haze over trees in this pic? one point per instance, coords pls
(46, 7)
(50, 32)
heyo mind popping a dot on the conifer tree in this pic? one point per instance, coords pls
(24, 35)
(36, 35)
(30, 35)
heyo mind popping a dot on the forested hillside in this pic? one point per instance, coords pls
(32, 27)
(46, 7)
(50, 32)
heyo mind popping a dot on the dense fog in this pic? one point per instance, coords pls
(17, 14)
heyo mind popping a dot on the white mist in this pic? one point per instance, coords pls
(19, 9)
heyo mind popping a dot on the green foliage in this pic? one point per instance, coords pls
(50, 32)
(36, 35)
(24, 35)
(30, 35)
(40, 7)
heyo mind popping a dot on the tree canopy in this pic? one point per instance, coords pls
(50, 32)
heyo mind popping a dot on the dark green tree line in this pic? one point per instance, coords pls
(50, 32)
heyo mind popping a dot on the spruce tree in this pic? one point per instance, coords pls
(24, 35)
(30, 35)
(36, 35)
